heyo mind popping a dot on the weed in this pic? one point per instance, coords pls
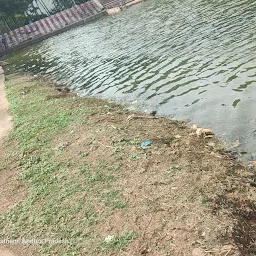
(84, 154)
(174, 168)
(205, 201)
(135, 157)
(85, 169)
(113, 200)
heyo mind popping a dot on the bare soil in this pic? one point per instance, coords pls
(5, 118)
(185, 194)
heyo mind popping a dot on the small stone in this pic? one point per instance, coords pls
(198, 252)
(211, 144)
(194, 127)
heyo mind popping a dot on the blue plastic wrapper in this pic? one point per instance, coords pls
(146, 144)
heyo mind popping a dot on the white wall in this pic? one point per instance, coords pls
(48, 3)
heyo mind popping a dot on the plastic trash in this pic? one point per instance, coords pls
(236, 144)
(146, 144)
(109, 239)
(151, 112)
(253, 164)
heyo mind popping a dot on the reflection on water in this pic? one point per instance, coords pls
(194, 59)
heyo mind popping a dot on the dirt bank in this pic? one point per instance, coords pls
(91, 183)
(5, 118)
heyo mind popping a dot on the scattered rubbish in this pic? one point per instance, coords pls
(211, 144)
(151, 113)
(201, 131)
(146, 144)
(109, 239)
(207, 132)
(254, 163)
(113, 11)
(177, 136)
(250, 165)
(208, 136)
(194, 127)
(236, 144)
(133, 116)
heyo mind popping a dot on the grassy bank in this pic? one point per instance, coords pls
(89, 182)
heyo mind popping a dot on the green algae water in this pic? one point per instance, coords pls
(193, 60)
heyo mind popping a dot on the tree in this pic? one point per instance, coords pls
(17, 13)
(61, 5)
(11, 8)
(12, 12)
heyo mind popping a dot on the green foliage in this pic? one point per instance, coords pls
(17, 13)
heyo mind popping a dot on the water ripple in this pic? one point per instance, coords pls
(192, 59)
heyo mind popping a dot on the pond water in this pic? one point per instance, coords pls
(191, 59)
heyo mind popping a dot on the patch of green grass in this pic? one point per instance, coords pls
(174, 168)
(205, 201)
(65, 197)
(84, 154)
(135, 157)
(85, 169)
(113, 200)
(62, 119)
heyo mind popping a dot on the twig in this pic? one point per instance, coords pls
(137, 117)
(228, 252)
(105, 145)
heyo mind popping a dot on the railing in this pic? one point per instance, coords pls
(108, 4)
(51, 25)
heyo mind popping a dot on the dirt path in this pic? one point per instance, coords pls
(5, 118)
(5, 127)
